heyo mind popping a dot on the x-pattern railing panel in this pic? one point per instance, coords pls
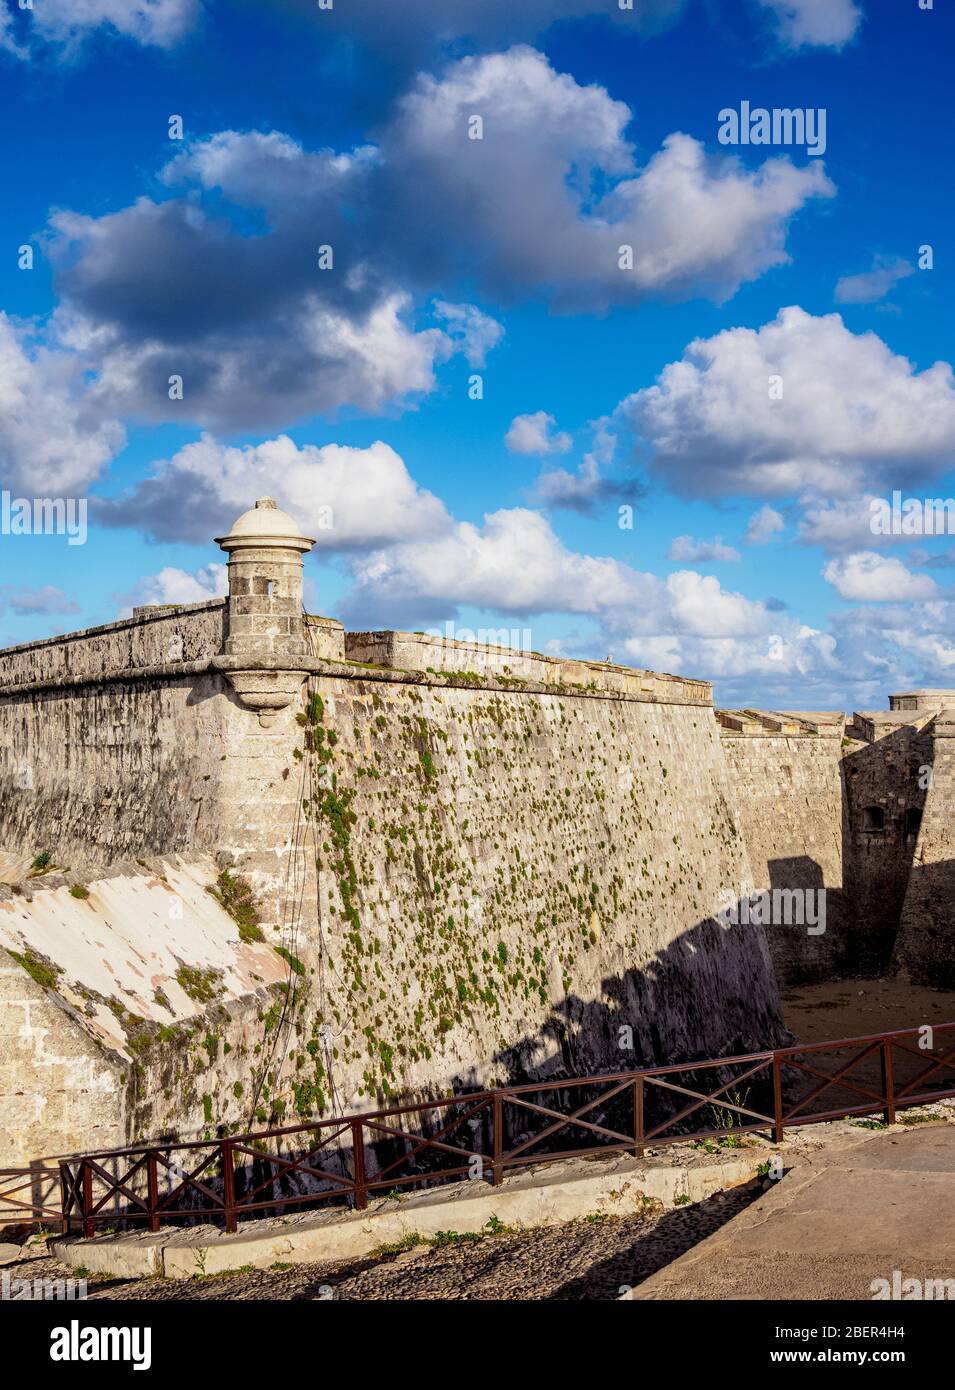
(947, 1061)
(188, 1180)
(701, 1099)
(432, 1141)
(564, 1120)
(378, 1127)
(116, 1185)
(17, 1180)
(837, 1080)
(288, 1165)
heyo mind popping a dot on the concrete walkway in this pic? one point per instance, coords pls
(839, 1219)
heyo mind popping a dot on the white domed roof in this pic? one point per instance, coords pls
(265, 524)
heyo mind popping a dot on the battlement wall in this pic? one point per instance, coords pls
(415, 651)
(152, 637)
(933, 700)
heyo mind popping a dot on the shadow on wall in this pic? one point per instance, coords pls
(884, 788)
(709, 993)
(925, 949)
(803, 899)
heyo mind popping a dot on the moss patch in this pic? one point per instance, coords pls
(38, 967)
(202, 986)
(235, 894)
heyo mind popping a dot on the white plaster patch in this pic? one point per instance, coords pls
(130, 937)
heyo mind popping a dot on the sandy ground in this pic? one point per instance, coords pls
(854, 1008)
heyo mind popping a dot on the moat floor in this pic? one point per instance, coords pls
(855, 1008)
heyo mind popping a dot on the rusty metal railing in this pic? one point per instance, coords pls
(485, 1134)
(30, 1194)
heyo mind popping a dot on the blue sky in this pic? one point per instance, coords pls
(349, 391)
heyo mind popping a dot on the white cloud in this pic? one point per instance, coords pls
(934, 652)
(518, 205)
(8, 40)
(475, 333)
(259, 336)
(868, 577)
(687, 623)
(54, 438)
(578, 491)
(173, 585)
(686, 550)
(270, 170)
(534, 434)
(262, 336)
(900, 647)
(160, 23)
(796, 656)
(300, 356)
(872, 285)
(763, 525)
(822, 23)
(839, 525)
(699, 605)
(697, 628)
(514, 563)
(588, 487)
(343, 497)
(850, 408)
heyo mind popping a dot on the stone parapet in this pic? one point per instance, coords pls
(442, 656)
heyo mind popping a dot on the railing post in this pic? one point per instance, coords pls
(497, 1138)
(638, 1115)
(228, 1185)
(152, 1190)
(888, 1083)
(777, 1100)
(64, 1199)
(358, 1160)
(89, 1225)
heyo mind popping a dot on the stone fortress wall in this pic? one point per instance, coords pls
(469, 865)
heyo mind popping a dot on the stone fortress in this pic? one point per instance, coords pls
(256, 869)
